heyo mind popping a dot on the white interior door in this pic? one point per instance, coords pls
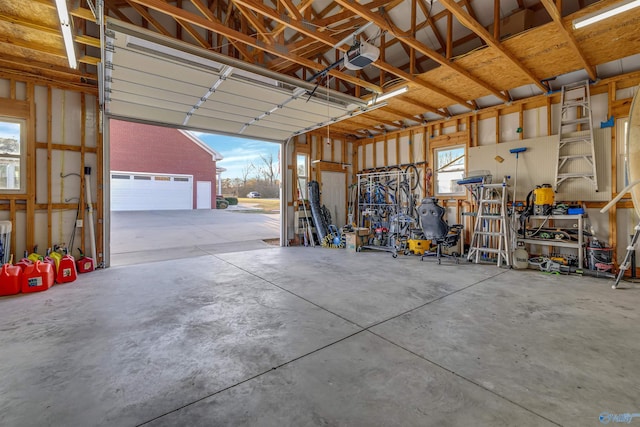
(333, 195)
(203, 195)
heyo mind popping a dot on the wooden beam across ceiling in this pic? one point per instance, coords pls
(26, 24)
(465, 19)
(427, 13)
(150, 19)
(273, 49)
(330, 41)
(381, 22)
(47, 70)
(208, 14)
(556, 15)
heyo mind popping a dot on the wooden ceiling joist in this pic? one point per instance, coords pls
(381, 22)
(280, 51)
(26, 24)
(408, 77)
(46, 70)
(330, 41)
(399, 113)
(208, 14)
(150, 19)
(465, 19)
(429, 19)
(293, 11)
(557, 18)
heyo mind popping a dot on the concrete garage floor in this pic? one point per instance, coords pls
(311, 336)
(145, 236)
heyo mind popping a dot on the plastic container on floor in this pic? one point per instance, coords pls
(66, 271)
(10, 276)
(85, 264)
(24, 263)
(37, 277)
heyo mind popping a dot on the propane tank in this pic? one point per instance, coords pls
(543, 197)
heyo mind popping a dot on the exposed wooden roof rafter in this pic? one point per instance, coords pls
(556, 15)
(208, 14)
(175, 12)
(383, 23)
(466, 20)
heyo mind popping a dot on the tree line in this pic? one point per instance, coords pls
(262, 176)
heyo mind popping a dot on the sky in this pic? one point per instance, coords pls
(238, 152)
(9, 130)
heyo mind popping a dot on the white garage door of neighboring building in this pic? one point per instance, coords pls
(132, 191)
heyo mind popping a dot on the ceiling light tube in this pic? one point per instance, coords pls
(605, 13)
(388, 95)
(65, 27)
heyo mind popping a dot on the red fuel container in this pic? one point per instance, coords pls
(24, 263)
(53, 263)
(37, 277)
(66, 270)
(85, 264)
(10, 276)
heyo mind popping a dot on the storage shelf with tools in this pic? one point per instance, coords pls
(577, 225)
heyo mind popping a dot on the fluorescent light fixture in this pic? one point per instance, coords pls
(388, 95)
(605, 13)
(65, 26)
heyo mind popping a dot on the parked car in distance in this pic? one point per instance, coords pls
(253, 195)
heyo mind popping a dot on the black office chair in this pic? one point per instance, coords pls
(436, 229)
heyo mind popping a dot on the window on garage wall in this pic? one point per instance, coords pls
(12, 155)
(302, 161)
(449, 167)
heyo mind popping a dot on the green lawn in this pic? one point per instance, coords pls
(267, 205)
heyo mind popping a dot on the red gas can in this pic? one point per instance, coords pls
(24, 263)
(10, 276)
(85, 264)
(51, 261)
(37, 277)
(66, 270)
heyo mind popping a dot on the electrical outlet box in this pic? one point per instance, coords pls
(78, 223)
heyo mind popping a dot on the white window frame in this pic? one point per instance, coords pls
(439, 169)
(302, 174)
(22, 184)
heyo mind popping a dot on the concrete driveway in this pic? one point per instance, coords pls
(144, 236)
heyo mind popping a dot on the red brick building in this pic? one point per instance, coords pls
(160, 168)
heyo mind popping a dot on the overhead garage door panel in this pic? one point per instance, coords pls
(145, 113)
(154, 92)
(170, 70)
(144, 81)
(162, 80)
(142, 100)
(257, 131)
(214, 109)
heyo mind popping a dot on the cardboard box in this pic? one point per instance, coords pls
(356, 239)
